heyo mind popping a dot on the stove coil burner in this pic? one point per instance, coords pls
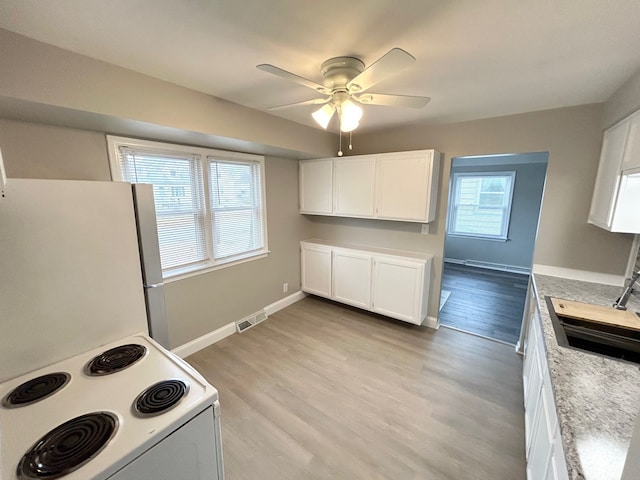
(115, 359)
(35, 389)
(68, 446)
(160, 397)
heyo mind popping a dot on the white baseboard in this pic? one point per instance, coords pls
(431, 322)
(205, 340)
(572, 274)
(210, 338)
(491, 266)
(284, 302)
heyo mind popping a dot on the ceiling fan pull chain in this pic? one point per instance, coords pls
(340, 143)
(350, 146)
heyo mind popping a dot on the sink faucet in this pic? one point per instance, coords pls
(621, 302)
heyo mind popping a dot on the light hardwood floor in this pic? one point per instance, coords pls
(323, 391)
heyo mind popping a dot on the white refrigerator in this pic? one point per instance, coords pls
(71, 275)
(149, 248)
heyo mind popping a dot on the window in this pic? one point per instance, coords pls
(210, 206)
(480, 204)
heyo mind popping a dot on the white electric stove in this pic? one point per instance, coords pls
(85, 392)
(126, 410)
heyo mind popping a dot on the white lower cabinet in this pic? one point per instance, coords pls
(398, 288)
(390, 282)
(315, 265)
(352, 278)
(543, 442)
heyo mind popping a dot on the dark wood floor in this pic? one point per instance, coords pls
(323, 391)
(485, 302)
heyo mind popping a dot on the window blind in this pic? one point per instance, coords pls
(178, 193)
(236, 208)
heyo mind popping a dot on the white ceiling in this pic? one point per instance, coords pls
(475, 59)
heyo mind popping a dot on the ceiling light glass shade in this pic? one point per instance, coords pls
(350, 115)
(323, 115)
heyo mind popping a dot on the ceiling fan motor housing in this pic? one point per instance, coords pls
(339, 71)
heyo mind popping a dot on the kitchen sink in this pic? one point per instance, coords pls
(609, 340)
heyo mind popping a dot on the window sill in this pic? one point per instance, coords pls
(199, 270)
(478, 237)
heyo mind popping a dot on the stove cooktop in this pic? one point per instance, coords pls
(35, 389)
(130, 409)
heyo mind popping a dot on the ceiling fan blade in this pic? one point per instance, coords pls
(392, 100)
(389, 64)
(265, 67)
(315, 101)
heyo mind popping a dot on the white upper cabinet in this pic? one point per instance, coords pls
(616, 193)
(316, 186)
(399, 186)
(354, 182)
(406, 186)
(631, 158)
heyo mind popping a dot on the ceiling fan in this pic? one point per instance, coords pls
(345, 85)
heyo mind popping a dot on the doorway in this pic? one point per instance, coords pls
(492, 221)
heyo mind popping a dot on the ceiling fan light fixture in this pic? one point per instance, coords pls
(350, 115)
(323, 115)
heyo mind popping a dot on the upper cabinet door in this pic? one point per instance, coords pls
(406, 186)
(605, 189)
(616, 193)
(316, 186)
(354, 186)
(631, 158)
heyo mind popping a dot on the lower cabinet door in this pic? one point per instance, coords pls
(352, 278)
(316, 270)
(541, 444)
(397, 289)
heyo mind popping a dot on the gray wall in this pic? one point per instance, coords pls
(527, 197)
(34, 150)
(572, 136)
(55, 89)
(624, 101)
(199, 304)
(47, 85)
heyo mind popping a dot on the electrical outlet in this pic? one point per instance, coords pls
(425, 229)
(285, 287)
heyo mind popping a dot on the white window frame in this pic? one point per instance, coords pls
(204, 156)
(453, 206)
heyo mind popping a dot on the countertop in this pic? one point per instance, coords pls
(371, 249)
(597, 398)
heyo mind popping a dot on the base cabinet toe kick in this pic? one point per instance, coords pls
(390, 282)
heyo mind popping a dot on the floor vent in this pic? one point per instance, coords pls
(250, 321)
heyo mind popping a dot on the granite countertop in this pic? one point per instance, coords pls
(597, 398)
